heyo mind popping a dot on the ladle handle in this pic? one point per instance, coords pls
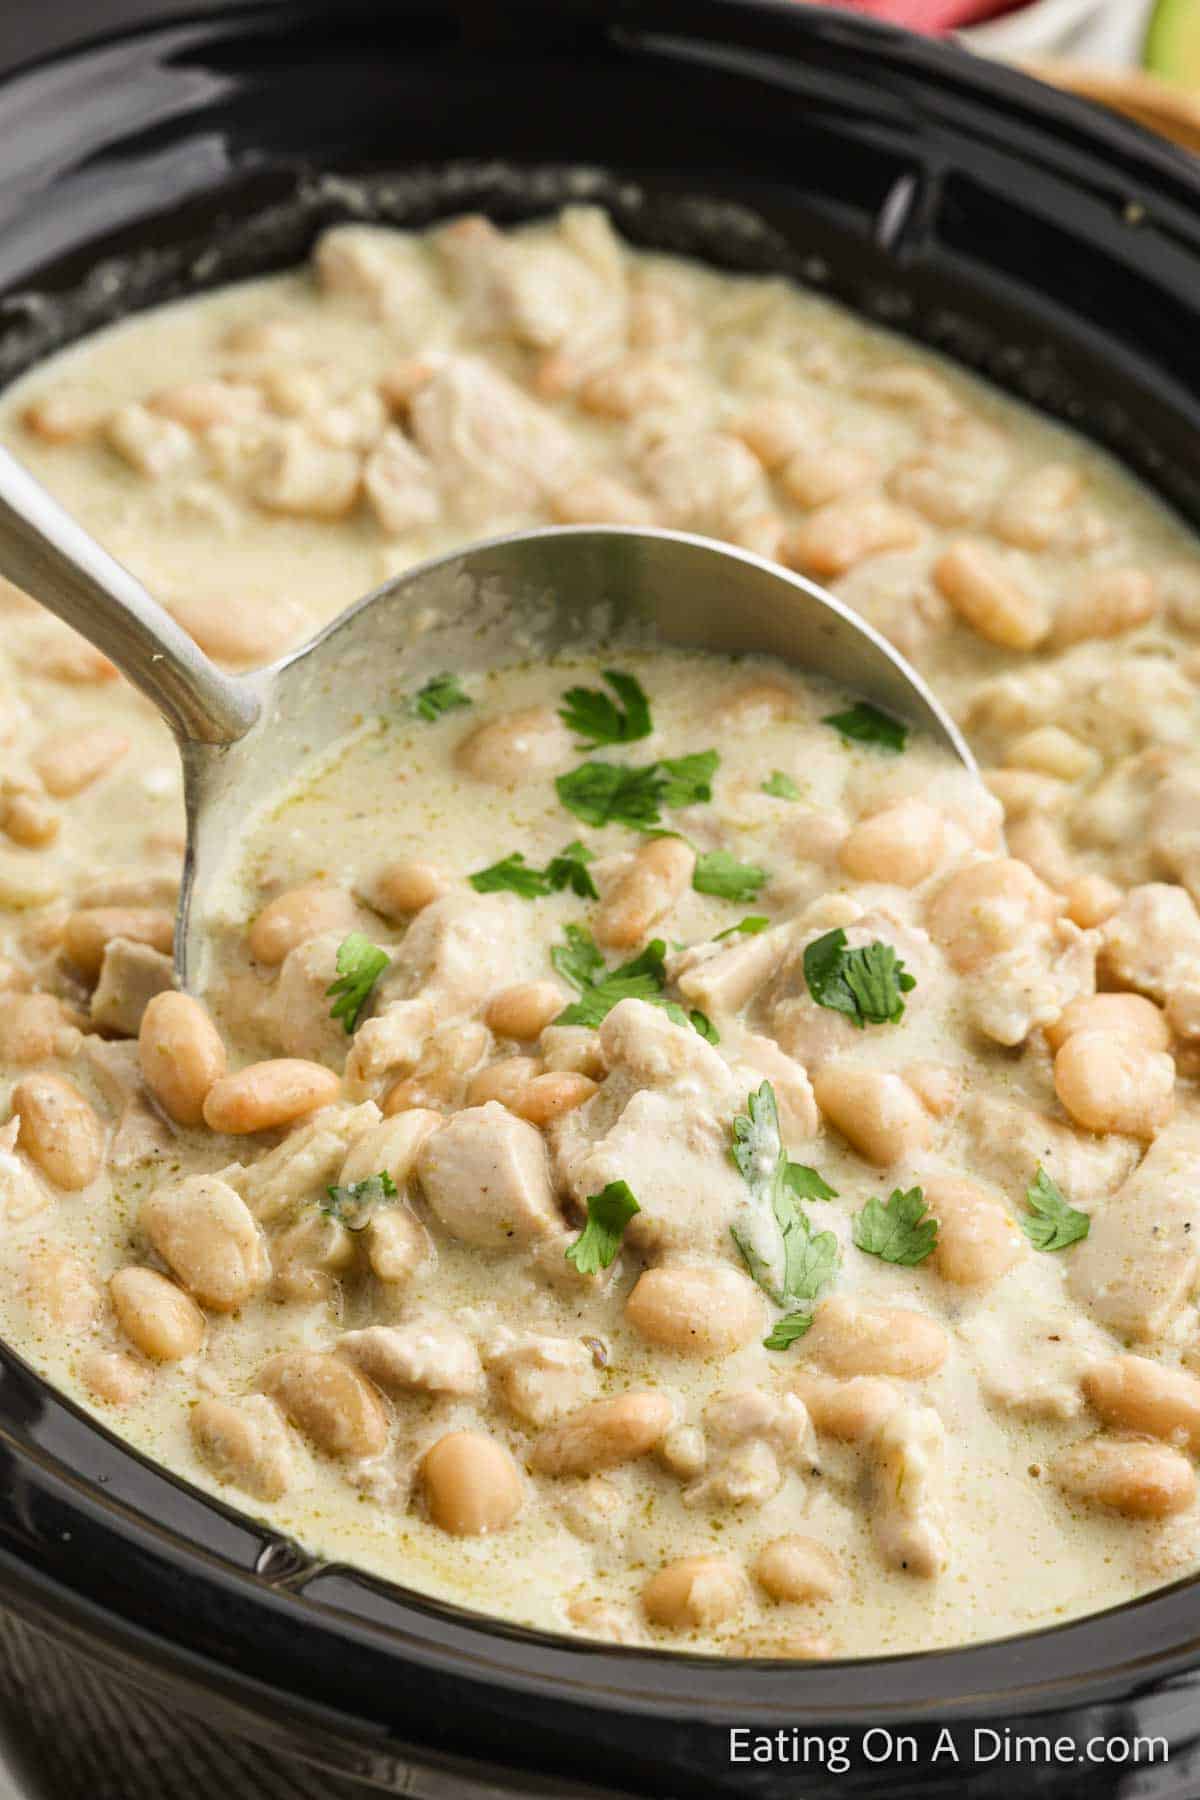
(45, 552)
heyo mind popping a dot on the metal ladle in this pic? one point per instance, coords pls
(242, 738)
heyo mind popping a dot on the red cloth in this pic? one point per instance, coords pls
(929, 15)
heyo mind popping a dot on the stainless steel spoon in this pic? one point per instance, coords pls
(243, 737)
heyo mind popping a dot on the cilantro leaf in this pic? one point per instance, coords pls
(791, 1261)
(757, 1145)
(864, 984)
(1051, 1223)
(719, 873)
(642, 978)
(750, 926)
(602, 793)
(569, 869)
(898, 1230)
(700, 1021)
(598, 720)
(806, 1183)
(865, 724)
(353, 1205)
(441, 694)
(608, 1213)
(689, 778)
(511, 875)
(787, 1329)
(811, 1257)
(578, 960)
(877, 978)
(780, 786)
(360, 963)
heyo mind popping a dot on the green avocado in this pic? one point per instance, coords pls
(1173, 42)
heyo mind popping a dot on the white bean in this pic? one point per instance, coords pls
(471, 1484)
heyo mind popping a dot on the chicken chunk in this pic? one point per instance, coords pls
(540, 1377)
(1153, 943)
(430, 1354)
(141, 1130)
(760, 1059)
(704, 482)
(490, 445)
(649, 1049)
(130, 976)
(400, 485)
(392, 1043)
(1140, 1262)
(487, 1177)
(723, 978)
(1023, 988)
(381, 270)
(752, 1439)
(1030, 1345)
(299, 1011)
(563, 291)
(665, 1109)
(1009, 1140)
(907, 1456)
(21, 1191)
(304, 1165)
(462, 948)
(815, 1034)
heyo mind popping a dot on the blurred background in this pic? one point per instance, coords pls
(1142, 56)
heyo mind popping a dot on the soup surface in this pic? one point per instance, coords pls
(659, 1153)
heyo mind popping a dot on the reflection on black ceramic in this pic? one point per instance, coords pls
(1053, 249)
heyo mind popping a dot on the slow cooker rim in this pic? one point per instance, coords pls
(1040, 1687)
(1010, 82)
(39, 1581)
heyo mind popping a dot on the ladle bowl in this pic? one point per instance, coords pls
(242, 738)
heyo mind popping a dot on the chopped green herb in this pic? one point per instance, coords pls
(360, 963)
(865, 724)
(600, 989)
(750, 926)
(602, 793)
(569, 869)
(864, 984)
(608, 1213)
(578, 960)
(802, 1260)
(898, 1230)
(511, 875)
(689, 778)
(515, 876)
(353, 1205)
(808, 1184)
(1051, 1223)
(780, 786)
(787, 1329)
(441, 694)
(700, 1021)
(812, 1258)
(719, 873)
(642, 978)
(598, 720)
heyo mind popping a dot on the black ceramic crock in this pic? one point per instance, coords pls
(1053, 248)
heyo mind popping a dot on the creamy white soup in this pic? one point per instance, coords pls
(657, 1152)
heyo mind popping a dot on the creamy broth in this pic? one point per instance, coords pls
(992, 1432)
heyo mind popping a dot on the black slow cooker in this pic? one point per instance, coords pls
(1056, 250)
